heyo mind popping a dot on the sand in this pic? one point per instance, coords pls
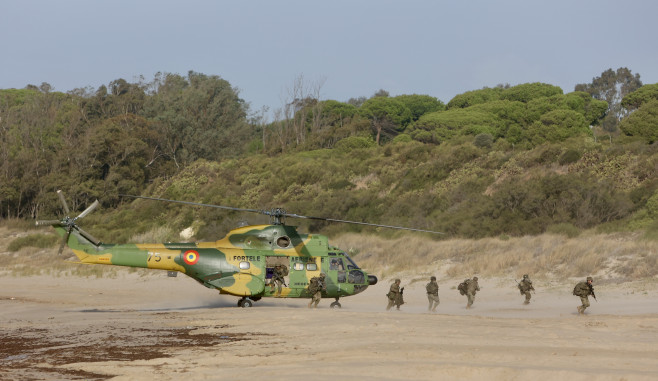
(136, 327)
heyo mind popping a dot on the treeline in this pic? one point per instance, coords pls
(506, 160)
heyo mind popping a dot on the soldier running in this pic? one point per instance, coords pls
(525, 286)
(583, 290)
(278, 279)
(315, 288)
(432, 294)
(469, 287)
(395, 295)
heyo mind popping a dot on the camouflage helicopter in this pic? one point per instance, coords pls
(241, 264)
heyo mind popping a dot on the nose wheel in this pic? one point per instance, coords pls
(335, 304)
(245, 302)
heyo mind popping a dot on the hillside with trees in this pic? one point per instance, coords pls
(494, 162)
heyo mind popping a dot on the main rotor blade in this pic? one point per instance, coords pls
(280, 213)
(361, 223)
(64, 241)
(90, 237)
(88, 210)
(64, 204)
(48, 222)
(195, 203)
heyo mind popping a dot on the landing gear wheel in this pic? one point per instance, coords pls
(245, 302)
(335, 304)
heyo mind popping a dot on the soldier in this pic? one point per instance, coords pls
(469, 287)
(395, 295)
(584, 289)
(278, 278)
(432, 294)
(525, 286)
(315, 287)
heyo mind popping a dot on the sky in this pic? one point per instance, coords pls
(338, 49)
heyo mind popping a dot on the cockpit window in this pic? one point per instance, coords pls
(356, 276)
(350, 265)
(336, 264)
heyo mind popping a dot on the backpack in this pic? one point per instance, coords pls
(285, 270)
(576, 290)
(462, 287)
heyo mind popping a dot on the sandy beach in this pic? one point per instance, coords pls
(136, 327)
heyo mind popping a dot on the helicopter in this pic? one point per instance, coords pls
(242, 264)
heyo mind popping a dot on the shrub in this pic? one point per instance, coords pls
(33, 240)
(568, 157)
(565, 229)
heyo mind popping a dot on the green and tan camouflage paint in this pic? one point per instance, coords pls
(235, 264)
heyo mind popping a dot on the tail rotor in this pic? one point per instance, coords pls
(69, 224)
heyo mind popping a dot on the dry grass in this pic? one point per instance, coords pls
(30, 261)
(611, 257)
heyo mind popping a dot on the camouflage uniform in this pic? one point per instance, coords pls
(472, 287)
(432, 294)
(278, 279)
(315, 287)
(525, 286)
(583, 290)
(395, 295)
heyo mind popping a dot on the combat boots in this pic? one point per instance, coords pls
(581, 310)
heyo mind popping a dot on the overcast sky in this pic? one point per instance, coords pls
(351, 48)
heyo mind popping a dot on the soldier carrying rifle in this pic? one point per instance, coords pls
(584, 289)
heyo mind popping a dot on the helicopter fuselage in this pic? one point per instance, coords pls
(242, 263)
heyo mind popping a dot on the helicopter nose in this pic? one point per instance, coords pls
(372, 280)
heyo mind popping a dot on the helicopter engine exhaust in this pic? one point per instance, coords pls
(372, 280)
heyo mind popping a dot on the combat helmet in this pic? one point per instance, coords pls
(432, 277)
(525, 276)
(590, 278)
(475, 278)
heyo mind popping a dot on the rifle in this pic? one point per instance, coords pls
(519, 284)
(591, 291)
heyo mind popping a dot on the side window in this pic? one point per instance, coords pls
(341, 277)
(244, 265)
(298, 266)
(311, 267)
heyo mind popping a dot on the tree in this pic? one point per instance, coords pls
(196, 117)
(612, 87)
(475, 97)
(640, 96)
(420, 104)
(387, 116)
(643, 122)
(529, 91)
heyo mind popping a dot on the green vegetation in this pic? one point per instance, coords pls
(509, 161)
(33, 240)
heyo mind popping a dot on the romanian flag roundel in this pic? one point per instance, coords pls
(191, 257)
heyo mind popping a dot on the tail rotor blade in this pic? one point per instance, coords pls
(89, 209)
(64, 204)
